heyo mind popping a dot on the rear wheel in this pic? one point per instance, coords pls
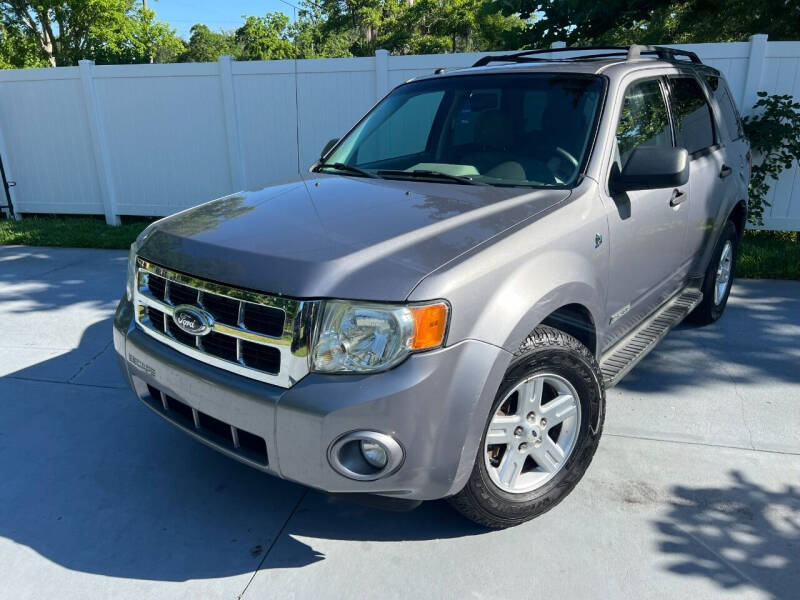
(718, 278)
(541, 435)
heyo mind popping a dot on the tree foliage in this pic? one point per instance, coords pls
(269, 37)
(265, 38)
(207, 46)
(412, 26)
(585, 22)
(61, 32)
(774, 134)
(18, 48)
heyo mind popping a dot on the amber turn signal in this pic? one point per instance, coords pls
(430, 324)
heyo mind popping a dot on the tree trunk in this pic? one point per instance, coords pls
(48, 39)
(49, 49)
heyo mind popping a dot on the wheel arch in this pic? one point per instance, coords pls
(576, 320)
(573, 307)
(738, 216)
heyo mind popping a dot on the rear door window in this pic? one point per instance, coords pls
(694, 126)
(643, 120)
(730, 116)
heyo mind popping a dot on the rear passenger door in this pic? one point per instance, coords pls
(696, 131)
(734, 146)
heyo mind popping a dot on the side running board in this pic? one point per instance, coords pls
(625, 354)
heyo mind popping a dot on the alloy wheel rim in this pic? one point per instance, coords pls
(532, 433)
(723, 277)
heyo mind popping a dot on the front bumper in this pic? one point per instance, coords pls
(434, 404)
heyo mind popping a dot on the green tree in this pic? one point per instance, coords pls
(207, 46)
(313, 39)
(154, 40)
(111, 31)
(416, 26)
(458, 26)
(774, 134)
(18, 49)
(265, 38)
(140, 39)
(585, 22)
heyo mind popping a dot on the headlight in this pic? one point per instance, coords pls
(130, 282)
(356, 337)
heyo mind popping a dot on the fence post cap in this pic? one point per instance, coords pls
(381, 52)
(758, 37)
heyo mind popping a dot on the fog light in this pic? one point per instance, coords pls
(366, 455)
(374, 454)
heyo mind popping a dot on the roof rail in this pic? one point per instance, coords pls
(630, 52)
(635, 51)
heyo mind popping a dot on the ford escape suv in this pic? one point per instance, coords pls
(437, 307)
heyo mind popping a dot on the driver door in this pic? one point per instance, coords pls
(647, 228)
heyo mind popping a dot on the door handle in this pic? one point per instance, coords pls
(725, 171)
(677, 198)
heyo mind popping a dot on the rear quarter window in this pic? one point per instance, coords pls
(731, 122)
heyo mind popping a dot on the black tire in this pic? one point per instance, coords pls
(709, 310)
(552, 351)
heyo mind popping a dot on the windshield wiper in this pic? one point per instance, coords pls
(347, 168)
(428, 174)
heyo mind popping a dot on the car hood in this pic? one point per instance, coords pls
(338, 236)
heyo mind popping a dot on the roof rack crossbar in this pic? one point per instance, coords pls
(630, 52)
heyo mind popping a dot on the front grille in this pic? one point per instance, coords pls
(220, 345)
(238, 441)
(178, 294)
(257, 335)
(226, 311)
(261, 357)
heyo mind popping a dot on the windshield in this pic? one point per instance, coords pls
(531, 129)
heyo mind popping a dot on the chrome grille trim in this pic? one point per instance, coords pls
(292, 343)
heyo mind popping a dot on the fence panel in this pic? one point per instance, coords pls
(333, 94)
(47, 144)
(166, 136)
(153, 139)
(267, 120)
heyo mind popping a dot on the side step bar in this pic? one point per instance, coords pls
(625, 354)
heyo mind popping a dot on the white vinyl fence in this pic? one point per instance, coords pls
(154, 139)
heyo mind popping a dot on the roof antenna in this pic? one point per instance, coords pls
(438, 71)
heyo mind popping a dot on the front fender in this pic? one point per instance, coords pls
(500, 294)
(535, 290)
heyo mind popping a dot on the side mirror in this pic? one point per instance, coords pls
(653, 167)
(328, 146)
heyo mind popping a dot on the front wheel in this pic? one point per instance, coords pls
(541, 435)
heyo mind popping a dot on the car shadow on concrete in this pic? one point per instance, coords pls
(754, 342)
(739, 535)
(95, 482)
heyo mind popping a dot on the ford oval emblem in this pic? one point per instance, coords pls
(192, 320)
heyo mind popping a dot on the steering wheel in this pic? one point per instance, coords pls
(568, 156)
(562, 165)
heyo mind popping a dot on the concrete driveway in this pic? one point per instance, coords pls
(694, 492)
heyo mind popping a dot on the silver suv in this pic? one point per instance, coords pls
(436, 309)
